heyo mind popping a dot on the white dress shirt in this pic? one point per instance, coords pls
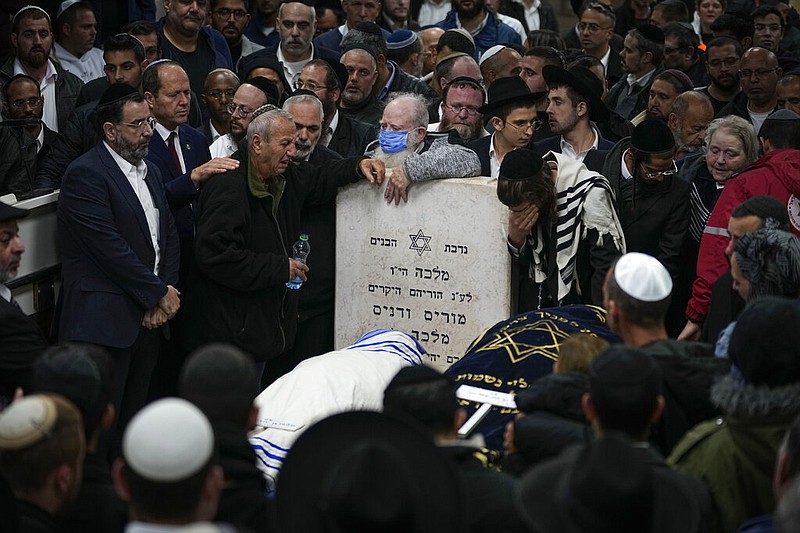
(531, 14)
(568, 150)
(223, 147)
(135, 176)
(325, 138)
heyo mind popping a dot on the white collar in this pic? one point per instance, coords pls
(334, 121)
(282, 59)
(626, 174)
(564, 142)
(164, 133)
(124, 165)
(49, 73)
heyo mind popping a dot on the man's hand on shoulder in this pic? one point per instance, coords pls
(397, 187)
(373, 170)
(218, 165)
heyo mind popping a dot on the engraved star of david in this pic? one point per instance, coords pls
(415, 243)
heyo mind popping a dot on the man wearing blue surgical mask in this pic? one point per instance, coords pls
(403, 145)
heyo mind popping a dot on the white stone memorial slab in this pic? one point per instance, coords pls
(436, 267)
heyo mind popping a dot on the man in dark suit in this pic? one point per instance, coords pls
(344, 135)
(574, 102)
(119, 248)
(20, 337)
(179, 151)
(652, 202)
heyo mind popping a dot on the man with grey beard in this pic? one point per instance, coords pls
(403, 146)
(307, 110)
(688, 117)
(119, 248)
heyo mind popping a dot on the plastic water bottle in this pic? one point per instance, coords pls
(300, 252)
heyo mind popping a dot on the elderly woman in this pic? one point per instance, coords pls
(730, 145)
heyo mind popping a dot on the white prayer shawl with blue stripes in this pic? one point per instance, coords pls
(585, 201)
(350, 379)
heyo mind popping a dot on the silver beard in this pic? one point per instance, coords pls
(393, 160)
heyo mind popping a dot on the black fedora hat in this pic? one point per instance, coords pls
(608, 486)
(364, 471)
(508, 91)
(8, 212)
(585, 83)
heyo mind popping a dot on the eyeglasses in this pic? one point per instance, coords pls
(760, 73)
(243, 111)
(309, 85)
(663, 173)
(592, 27)
(218, 94)
(774, 28)
(30, 102)
(523, 125)
(141, 125)
(728, 62)
(458, 109)
(223, 13)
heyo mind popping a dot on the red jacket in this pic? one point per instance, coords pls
(776, 174)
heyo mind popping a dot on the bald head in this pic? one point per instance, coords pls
(759, 78)
(503, 64)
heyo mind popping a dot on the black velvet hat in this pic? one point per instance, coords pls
(116, 91)
(585, 83)
(339, 70)
(364, 471)
(260, 60)
(651, 33)
(268, 87)
(508, 91)
(520, 164)
(652, 136)
(606, 486)
(8, 212)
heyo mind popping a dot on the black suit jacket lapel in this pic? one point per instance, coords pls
(122, 184)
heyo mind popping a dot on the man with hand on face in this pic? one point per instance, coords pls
(247, 221)
(119, 248)
(250, 95)
(563, 232)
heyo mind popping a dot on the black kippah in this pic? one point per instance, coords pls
(652, 33)
(652, 137)
(369, 27)
(267, 86)
(521, 164)
(115, 92)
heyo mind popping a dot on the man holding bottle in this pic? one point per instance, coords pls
(247, 221)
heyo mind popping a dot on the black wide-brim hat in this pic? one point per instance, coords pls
(364, 471)
(585, 83)
(9, 212)
(508, 91)
(606, 486)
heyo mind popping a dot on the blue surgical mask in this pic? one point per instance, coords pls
(393, 142)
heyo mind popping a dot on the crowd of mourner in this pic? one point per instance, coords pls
(649, 157)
